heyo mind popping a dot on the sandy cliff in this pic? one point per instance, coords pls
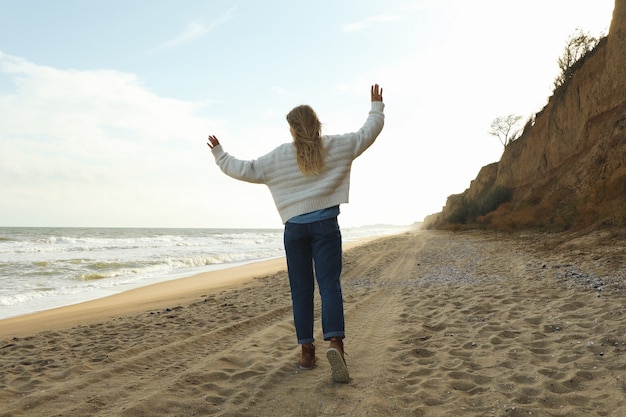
(569, 169)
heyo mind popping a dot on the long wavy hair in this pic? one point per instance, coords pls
(307, 136)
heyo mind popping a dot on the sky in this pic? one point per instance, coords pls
(105, 106)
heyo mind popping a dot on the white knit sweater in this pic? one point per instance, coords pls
(295, 193)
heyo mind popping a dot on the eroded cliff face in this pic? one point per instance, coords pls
(569, 169)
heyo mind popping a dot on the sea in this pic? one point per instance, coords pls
(43, 268)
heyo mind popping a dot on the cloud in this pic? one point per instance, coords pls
(196, 30)
(363, 24)
(70, 103)
(81, 146)
(280, 91)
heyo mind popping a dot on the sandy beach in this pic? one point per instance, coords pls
(438, 324)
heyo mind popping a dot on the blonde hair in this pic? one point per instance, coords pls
(307, 137)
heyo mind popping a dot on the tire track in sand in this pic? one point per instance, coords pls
(373, 280)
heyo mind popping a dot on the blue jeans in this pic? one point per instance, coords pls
(314, 252)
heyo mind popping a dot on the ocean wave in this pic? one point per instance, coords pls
(47, 266)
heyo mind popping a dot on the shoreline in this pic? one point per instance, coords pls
(155, 296)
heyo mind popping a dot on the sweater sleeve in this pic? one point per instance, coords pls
(249, 171)
(366, 135)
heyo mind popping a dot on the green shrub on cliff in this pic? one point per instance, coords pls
(468, 210)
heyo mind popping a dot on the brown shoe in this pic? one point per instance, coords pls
(307, 361)
(338, 367)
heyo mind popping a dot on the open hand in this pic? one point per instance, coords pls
(377, 93)
(213, 142)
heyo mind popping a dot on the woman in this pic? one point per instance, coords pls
(308, 179)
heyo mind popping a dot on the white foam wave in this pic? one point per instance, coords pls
(44, 268)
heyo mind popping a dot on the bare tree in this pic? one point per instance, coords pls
(504, 128)
(576, 47)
